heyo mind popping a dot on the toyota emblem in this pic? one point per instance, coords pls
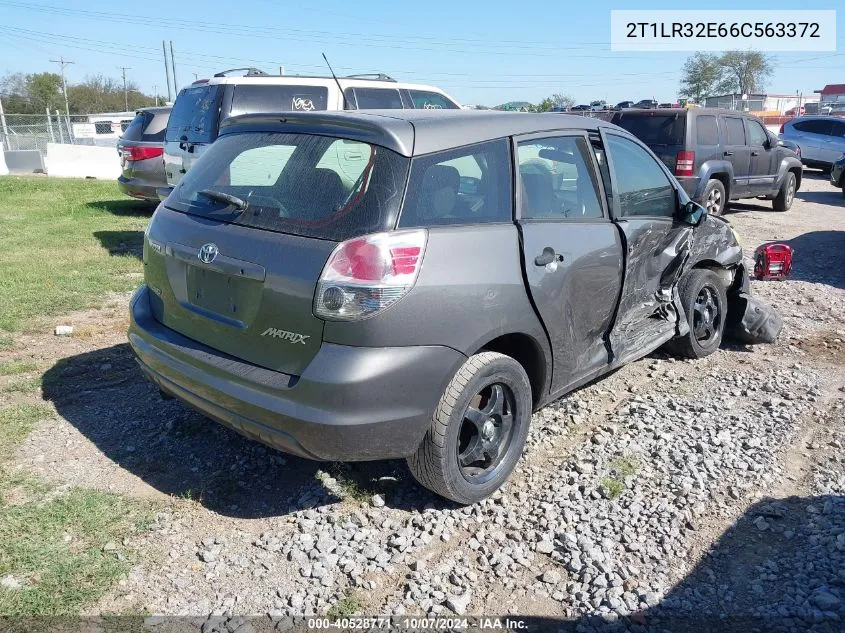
(207, 253)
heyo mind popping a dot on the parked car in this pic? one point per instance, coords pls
(581, 107)
(795, 111)
(199, 109)
(837, 174)
(718, 155)
(646, 104)
(598, 106)
(623, 105)
(293, 293)
(821, 138)
(141, 151)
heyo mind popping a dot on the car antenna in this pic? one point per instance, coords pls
(331, 70)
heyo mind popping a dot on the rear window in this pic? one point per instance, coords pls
(707, 132)
(317, 186)
(655, 129)
(268, 98)
(195, 114)
(147, 127)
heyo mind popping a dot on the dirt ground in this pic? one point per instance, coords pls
(221, 494)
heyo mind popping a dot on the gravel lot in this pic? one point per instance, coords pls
(670, 494)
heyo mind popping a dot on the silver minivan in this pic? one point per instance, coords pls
(821, 139)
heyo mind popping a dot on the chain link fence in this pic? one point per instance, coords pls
(34, 131)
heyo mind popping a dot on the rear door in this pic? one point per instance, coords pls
(762, 170)
(572, 251)
(192, 127)
(834, 145)
(737, 153)
(656, 246)
(243, 280)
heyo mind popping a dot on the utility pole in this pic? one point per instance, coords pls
(166, 69)
(125, 93)
(173, 69)
(63, 62)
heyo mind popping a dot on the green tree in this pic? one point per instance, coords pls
(562, 101)
(701, 76)
(744, 72)
(45, 90)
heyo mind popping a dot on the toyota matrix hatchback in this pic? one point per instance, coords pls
(361, 286)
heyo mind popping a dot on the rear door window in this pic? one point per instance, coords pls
(707, 132)
(558, 179)
(735, 131)
(315, 186)
(814, 126)
(195, 114)
(377, 98)
(247, 99)
(837, 128)
(469, 185)
(428, 100)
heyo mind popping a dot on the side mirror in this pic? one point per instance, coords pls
(692, 214)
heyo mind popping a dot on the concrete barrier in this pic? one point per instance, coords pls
(82, 161)
(24, 161)
(4, 171)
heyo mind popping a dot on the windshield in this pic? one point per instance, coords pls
(317, 186)
(654, 129)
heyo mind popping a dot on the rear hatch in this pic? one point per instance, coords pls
(142, 140)
(235, 253)
(664, 132)
(193, 125)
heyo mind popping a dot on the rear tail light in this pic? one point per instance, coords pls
(684, 163)
(135, 152)
(772, 261)
(780, 131)
(366, 275)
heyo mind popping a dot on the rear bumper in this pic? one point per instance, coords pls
(137, 188)
(350, 404)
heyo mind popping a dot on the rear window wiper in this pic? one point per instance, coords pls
(219, 196)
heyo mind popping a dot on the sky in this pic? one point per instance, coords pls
(479, 52)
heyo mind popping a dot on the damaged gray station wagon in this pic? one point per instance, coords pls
(360, 286)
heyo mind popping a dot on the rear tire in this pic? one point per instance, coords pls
(786, 195)
(706, 306)
(456, 457)
(713, 198)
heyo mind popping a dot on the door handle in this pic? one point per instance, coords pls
(755, 153)
(547, 257)
(729, 153)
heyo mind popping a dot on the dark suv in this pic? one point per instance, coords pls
(718, 155)
(359, 286)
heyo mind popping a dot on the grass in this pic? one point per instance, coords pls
(55, 550)
(54, 545)
(14, 367)
(16, 422)
(64, 245)
(613, 484)
(22, 386)
(344, 608)
(344, 485)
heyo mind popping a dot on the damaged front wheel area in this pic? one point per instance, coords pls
(705, 304)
